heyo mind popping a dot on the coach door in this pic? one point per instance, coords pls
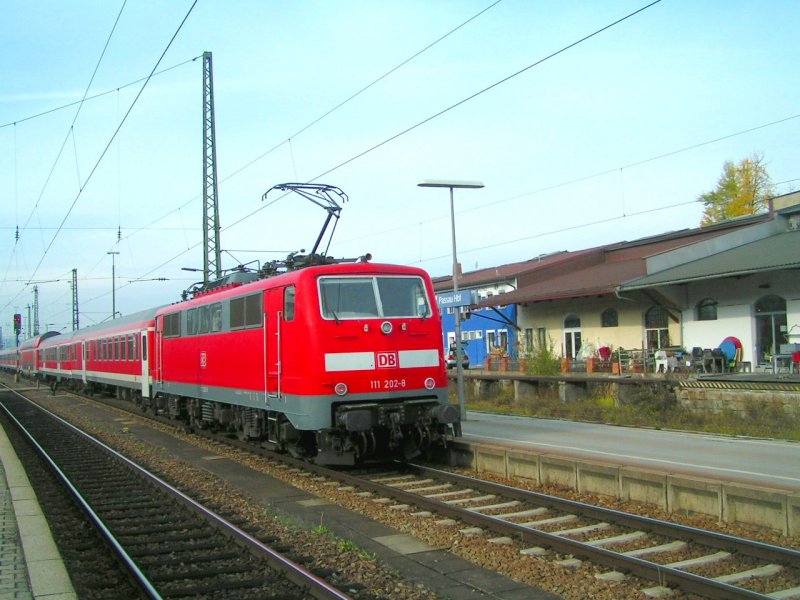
(84, 350)
(273, 312)
(145, 364)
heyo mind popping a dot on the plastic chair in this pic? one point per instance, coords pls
(698, 364)
(662, 364)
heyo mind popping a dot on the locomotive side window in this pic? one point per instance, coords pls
(288, 303)
(204, 319)
(252, 310)
(373, 297)
(246, 311)
(216, 316)
(191, 321)
(237, 313)
(172, 325)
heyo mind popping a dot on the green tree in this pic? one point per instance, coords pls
(742, 189)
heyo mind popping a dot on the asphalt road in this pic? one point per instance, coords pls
(763, 463)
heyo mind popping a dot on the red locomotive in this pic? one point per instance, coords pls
(339, 363)
(335, 361)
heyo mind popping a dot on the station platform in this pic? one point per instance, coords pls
(30, 563)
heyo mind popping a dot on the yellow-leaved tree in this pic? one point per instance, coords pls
(743, 189)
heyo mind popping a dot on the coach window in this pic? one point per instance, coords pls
(135, 346)
(288, 303)
(130, 347)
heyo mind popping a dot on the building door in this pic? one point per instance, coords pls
(770, 326)
(656, 327)
(572, 336)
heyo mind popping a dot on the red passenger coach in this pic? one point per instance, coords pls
(112, 356)
(337, 363)
(29, 353)
(9, 359)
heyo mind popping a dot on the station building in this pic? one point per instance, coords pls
(687, 289)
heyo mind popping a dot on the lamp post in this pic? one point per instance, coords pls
(459, 367)
(113, 284)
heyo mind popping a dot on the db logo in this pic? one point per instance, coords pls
(203, 360)
(386, 360)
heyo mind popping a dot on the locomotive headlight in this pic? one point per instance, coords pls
(386, 327)
(340, 389)
(430, 383)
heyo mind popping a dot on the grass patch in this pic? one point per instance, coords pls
(648, 406)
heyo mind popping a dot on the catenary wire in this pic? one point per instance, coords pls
(108, 145)
(320, 118)
(70, 133)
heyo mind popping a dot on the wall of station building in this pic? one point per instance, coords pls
(547, 319)
(736, 301)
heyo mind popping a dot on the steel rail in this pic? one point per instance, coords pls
(713, 539)
(660, 574)
(314, 585)
(124, 557)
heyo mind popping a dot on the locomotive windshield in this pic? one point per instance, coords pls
(373, 297)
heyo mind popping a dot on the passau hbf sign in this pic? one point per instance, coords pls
(454, 299)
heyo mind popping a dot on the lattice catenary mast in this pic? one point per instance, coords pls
(212, 265)
(75, 320)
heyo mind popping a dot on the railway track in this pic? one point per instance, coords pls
(701, 562)
(695, 561)
(168, 545)
(691, 560)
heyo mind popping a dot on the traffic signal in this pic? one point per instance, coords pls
(17, 322)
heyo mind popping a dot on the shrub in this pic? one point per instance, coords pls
(543, 361)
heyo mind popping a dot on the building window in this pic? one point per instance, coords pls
(707, 310)
(771, 326)
(609, 318)
(656, 326)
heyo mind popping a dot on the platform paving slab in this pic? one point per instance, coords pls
(30, 562)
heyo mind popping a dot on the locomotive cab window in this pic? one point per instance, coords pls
(288, 303)
(372, 297)
(172, 324)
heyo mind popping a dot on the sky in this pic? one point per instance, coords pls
(585, 127)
